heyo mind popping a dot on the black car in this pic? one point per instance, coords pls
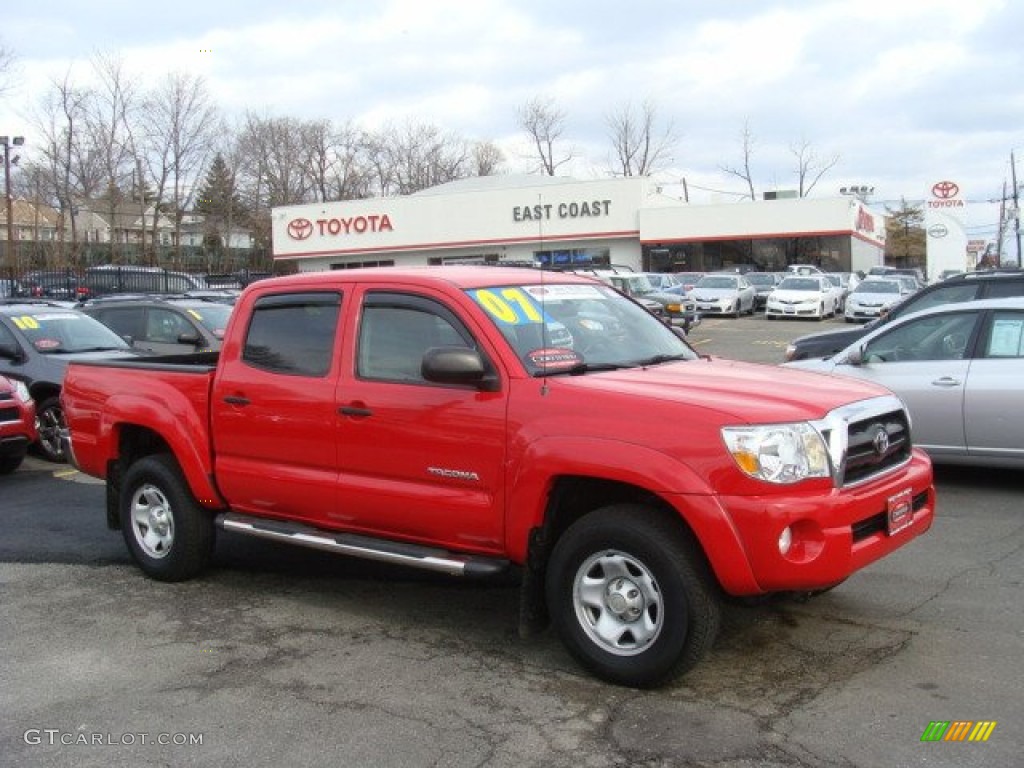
(764, 283)
(165, 325)
(38, 338)
(968, 286)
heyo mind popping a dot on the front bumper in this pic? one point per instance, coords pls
(812, 309)
(835, 531)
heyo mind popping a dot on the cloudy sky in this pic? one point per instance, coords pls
(905, 92)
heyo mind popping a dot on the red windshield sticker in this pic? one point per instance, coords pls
(44, 345)
(554, 358)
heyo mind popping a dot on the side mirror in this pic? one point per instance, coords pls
(190, 338)
(457, 365)
(856, 356)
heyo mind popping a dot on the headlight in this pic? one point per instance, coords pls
(778, 453)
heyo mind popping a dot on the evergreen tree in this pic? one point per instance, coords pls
(218, 197)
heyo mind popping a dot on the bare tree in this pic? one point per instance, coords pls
(545, 123)
(744, 172)
(70, 170)
(181, 124)
(412, 157)
(810, 167)
(6, 67)
(638, 150)
(335, 161)
(487, 158)
(110, 114)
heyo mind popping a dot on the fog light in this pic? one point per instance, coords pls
(785, 540)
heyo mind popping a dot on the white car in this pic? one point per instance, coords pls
(802, 296)
(871, 298)
(724, 295)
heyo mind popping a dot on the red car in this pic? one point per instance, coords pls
(17, 424)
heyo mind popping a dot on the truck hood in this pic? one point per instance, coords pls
(741, 392)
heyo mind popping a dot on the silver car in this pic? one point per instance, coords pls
(724, 295)
(871, 298)
(960, 370)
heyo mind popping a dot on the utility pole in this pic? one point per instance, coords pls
(1016, 204)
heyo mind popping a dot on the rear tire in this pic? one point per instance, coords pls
(631, 596)
(168, 534)
(10, 463)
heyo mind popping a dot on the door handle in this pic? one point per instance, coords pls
(946, 381)
(236, 400)
(352, 410)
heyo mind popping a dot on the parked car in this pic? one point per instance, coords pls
(842, 284)
(872, 298)
(946, 273)
(110, 278)
(679, 309)
(10, 287)
(764, 283)
(38, 338)
(164, 325)
(964, 287)
(724, 294)
(689, 280)
(959, 369)
(17, 424)
(802, 296)
(65, 284)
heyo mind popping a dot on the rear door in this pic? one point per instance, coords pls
(273, 411)
(994, 400)
(417, 460)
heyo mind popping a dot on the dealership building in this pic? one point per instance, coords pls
(566, 223)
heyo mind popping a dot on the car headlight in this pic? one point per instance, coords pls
(778, 453)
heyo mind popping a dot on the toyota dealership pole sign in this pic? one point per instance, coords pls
(945, 214)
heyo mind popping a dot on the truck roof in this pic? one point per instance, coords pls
(463, 277)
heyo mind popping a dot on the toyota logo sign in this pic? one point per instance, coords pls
(300, 229)
(945, 190)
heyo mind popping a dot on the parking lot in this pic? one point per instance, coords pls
(294, 657)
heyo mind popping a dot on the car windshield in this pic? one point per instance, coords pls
(799, 284)
(717, 282)
(572, 329)
(213, 316)
(66, 331)
(878, 286)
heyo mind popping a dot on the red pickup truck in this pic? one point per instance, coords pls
(477, 420)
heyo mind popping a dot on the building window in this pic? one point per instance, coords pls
(574, 257)
(358, 264)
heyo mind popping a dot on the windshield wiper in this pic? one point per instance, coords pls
(659, 359)
(581, 368)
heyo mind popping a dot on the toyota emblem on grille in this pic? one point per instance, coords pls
(881, 441)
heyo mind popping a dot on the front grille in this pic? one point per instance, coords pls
(877, 523)
(867, 438)
(876, 444)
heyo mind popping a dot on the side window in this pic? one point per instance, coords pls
(165, 326)
(1001, 289)
(1006, 336)
(293, 333)
(935, 337)
(396, 330)
(124, 322)
(947, 294)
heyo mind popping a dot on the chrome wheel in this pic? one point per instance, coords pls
(50, 421)
(618, 603)
(152, 522)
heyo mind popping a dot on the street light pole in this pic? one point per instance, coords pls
(7, 141)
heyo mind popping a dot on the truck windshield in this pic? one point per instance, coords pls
(568, 329)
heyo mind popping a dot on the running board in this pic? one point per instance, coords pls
(384, 550)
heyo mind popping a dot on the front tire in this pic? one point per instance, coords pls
(50, 418)
(631, 596)
(168, 534)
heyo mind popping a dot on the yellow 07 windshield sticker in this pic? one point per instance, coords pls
(511, 306)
